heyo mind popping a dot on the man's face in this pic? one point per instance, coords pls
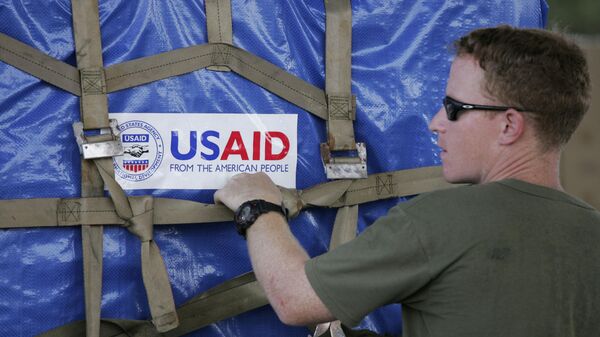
(468, 144)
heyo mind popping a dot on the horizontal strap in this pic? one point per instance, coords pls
(226, 300)
(38, 64)
(342, 193)
(108, 328)
(157, 67)
(173, 63)
(175, 211)
(253, 68)
(393, 184)
(53, 212)
(229, 299)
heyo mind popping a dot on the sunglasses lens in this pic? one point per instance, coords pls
(451, 109)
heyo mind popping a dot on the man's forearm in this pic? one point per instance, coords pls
(278, 262)
(277, 258)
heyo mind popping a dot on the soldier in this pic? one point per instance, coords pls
(511, 254)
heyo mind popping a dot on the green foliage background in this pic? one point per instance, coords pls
(575, 16)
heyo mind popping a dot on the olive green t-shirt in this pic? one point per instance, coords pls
(506, 259)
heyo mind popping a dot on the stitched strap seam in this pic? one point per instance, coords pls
(38, 64)
(278, 81)
(159, 66)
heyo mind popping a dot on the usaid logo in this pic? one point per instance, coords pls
(202, 151)
(144, 151)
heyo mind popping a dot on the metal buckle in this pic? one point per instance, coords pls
(334, 328)
(109, 144)
(345, 167)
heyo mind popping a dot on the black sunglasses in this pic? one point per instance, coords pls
(453, 107)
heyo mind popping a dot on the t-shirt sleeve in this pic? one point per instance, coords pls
(383, 265)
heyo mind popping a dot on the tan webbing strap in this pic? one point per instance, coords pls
(394, 184)
(86, 28)
(38, 64)
(341, 104)
(344, 230)
(230, 298)
(253, 68)
(165, 65)
(157, 67)
(344, 227)
(52, 212)
(219, 25)
(174, 211)
(376, 187)
(139, 217)
(55, 212)
(108, 328)
(94, 115)
(278, 81)
(338, 39)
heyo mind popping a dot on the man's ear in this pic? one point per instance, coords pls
(513, 126)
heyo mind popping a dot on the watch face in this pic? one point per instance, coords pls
(249, 211)
(246, 213)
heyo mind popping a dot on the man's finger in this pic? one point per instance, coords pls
(217, 197)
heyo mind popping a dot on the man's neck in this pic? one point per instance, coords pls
(527, 165)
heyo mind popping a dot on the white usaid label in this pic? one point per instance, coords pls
(201, 151)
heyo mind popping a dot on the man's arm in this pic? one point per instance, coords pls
(277, 257)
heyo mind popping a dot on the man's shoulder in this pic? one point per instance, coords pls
(456, 197)
(496, 202)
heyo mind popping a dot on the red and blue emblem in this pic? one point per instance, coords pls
(135, 166)
(143, 151)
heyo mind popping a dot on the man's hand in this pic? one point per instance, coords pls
(244, 187)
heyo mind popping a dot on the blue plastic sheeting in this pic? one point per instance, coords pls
(400, 59)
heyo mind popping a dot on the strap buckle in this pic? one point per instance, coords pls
(106, 144)
(334, 328)
(345, 167)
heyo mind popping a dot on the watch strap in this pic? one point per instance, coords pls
(249, 211)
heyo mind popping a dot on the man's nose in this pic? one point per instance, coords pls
(437, 123)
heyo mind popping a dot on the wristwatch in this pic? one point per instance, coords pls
(248, 212)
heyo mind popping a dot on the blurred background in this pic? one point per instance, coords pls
(580, 166)
(575, 16)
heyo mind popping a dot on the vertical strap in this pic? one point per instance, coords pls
(94, 114)
(219, 26)
(100, 171)
(344, 230)
(86, 28)
(338, 38)
(341, 105)
(344, 227)
(139, 215)
(341, 112)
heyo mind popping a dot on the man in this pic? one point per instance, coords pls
(511, 255)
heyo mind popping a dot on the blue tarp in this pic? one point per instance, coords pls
(400, 60)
